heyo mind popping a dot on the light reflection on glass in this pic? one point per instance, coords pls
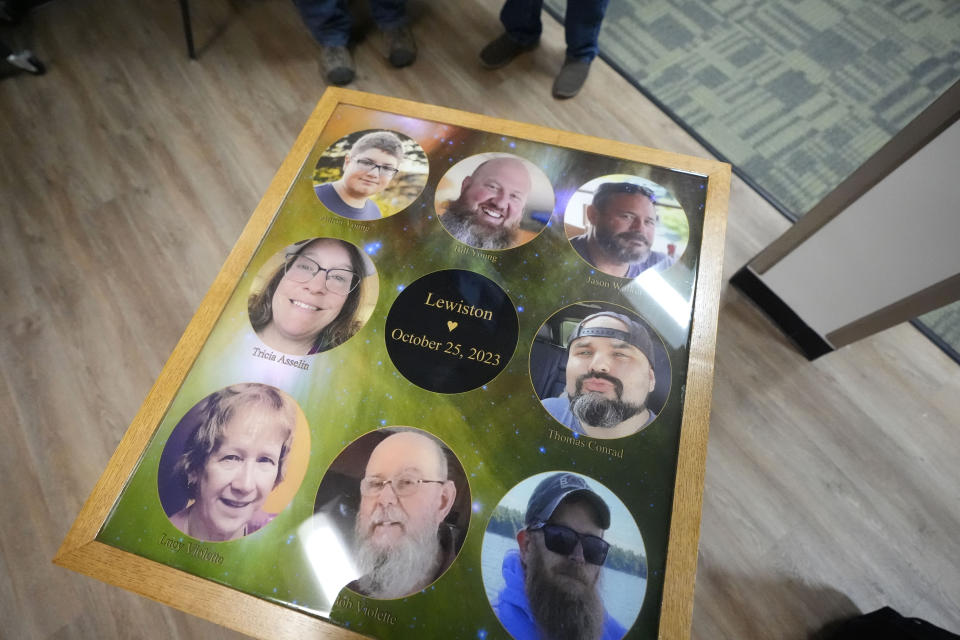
(666, 296)
(328, 554)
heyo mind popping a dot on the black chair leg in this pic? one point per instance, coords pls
(187, 28)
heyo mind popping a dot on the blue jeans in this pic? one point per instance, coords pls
(329, 21)
(521, 18)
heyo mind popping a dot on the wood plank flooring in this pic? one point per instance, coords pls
(128, 171)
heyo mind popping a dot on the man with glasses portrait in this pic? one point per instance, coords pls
(401, 542)
(368, 168)
(552, 581)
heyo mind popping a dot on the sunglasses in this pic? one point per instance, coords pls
(563, 540)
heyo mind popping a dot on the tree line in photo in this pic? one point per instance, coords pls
(506, 522)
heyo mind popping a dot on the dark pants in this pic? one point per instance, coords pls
(521, 18)
(329, 21)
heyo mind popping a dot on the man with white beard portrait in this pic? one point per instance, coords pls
(552, 581)
(609, 378)
(401, 544)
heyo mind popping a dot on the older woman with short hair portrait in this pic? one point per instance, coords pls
(233, 460)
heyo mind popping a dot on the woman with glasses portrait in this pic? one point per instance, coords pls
(368, 168)
(310, 303)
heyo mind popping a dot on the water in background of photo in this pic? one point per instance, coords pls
(618, 590)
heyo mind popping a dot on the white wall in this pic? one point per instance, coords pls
(898, 238)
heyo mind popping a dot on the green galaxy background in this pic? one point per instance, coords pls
(499, 431)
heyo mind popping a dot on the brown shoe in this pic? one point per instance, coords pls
(571, 78)
(502, 50)
(337, 65)
(401, 47)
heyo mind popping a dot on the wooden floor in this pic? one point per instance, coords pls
(127, 172)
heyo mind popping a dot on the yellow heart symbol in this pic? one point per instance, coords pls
(451, 325)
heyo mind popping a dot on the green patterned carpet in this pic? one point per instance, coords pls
(944, 323)
(795, 94)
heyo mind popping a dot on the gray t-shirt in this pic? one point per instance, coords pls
(559, 408)
(332, 200)
(655, 260)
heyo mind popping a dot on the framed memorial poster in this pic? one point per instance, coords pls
(453, 381)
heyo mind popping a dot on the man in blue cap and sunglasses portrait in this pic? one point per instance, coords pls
(552, 582)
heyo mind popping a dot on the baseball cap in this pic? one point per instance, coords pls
(551, 492)
(636, 334)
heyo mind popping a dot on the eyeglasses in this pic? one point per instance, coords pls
(383, 169)
(403, 485)
(563, 540)
(303, 269)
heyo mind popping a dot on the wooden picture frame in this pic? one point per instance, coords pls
(684, 418)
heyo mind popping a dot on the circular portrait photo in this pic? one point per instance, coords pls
(313, 296)
(563, 558)
(396, 504)
(233, 462)
(624, 225)
(600, 370)
(368, 175)
(494, 201)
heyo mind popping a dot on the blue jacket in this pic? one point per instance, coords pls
(513, 609)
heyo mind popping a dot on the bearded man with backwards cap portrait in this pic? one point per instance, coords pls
(609, 378)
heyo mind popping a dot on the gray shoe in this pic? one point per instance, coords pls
(571, 78)
(401, 47)
(337, 65)
(502, 50)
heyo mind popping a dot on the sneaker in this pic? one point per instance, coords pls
(571, 78)
(502, 50)
(337, 65)
(401, 47)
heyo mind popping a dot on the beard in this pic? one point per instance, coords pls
(462, 224)
(567, 607)
(595, 410)
(619, 247)
(398, 569)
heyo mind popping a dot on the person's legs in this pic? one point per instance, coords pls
(582, 27)
(329, 23)
(389, 14)
(521, 20)
(582, 30)
(328, 20)
(391, 18)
